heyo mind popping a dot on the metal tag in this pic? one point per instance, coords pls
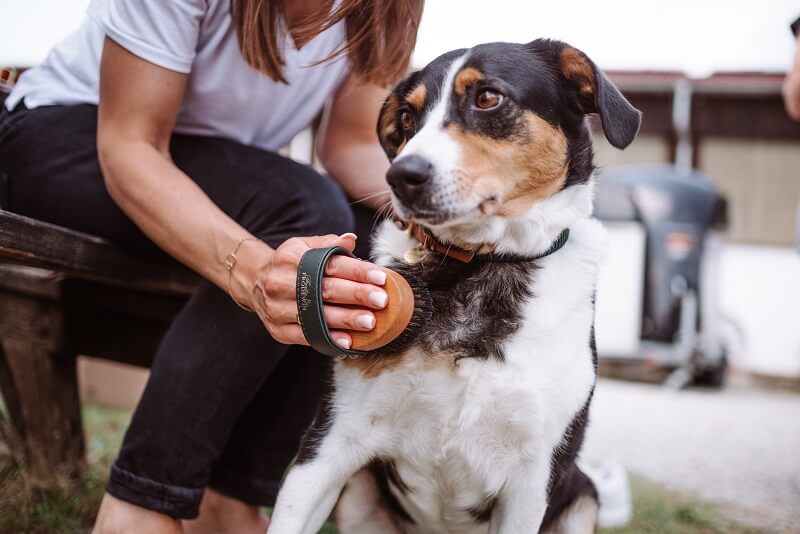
(415, 255)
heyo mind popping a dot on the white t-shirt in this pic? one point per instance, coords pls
(225, 97)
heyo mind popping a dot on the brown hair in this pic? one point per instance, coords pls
(380, 35)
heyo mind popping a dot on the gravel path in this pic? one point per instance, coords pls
(739, 447)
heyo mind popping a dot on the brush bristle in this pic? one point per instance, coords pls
(423, 312)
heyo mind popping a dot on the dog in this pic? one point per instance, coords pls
(476, 425)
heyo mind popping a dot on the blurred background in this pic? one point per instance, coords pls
(698, 305)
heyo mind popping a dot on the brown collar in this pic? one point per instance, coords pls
(429, 242)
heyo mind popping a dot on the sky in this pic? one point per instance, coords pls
(695, 36)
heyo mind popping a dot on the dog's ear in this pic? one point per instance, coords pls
(596, 94)
(390, 134)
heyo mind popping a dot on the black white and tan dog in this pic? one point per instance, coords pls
(476, 425)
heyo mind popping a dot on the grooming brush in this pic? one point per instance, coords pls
(409, 306)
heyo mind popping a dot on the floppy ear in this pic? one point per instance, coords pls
(596, 94)
(389, 134)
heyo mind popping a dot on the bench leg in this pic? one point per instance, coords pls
(39, 381)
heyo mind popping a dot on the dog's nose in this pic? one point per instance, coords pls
(407, 176)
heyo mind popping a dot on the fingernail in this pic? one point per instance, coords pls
(376, 277)
(343, 342)
(366, 321)
(378, 298)
(350, 235)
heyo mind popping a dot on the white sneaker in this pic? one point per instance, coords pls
(613, 491)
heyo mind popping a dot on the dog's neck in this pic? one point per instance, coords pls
(530, 234)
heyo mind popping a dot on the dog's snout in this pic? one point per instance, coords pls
(407, 176)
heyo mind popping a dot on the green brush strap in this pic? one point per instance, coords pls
(309, 302)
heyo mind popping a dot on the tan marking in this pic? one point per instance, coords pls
(387, 125)
(387, 119)
(465, 78)
(417, 97)
(575, 67)
(519, 171)
(413, 360)
(372, 366)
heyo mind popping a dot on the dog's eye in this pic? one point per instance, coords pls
(488, 99)
(407, 120)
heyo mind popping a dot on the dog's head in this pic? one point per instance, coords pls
(494, 130)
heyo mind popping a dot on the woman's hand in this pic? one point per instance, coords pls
(271, 288)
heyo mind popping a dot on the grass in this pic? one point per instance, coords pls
(26, 511)
(657, 510)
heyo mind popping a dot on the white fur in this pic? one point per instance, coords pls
(459, 433)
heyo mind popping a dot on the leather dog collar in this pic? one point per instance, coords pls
(429, 242)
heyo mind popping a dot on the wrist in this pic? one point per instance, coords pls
(248, 261)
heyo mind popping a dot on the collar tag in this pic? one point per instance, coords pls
(415, 255)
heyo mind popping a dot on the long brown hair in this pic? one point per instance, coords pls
(380, 35)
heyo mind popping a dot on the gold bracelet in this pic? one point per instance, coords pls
(230, 263)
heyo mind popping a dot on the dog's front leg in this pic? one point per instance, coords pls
(312, 487)
(523, 501)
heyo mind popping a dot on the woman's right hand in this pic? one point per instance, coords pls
(351, 288)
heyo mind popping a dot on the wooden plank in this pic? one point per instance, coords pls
(46, 388)
(31, 281)
(11, 425)
(30, 242)
(742, 116)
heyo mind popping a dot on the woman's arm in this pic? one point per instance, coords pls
(139, 103)
(791, 85)
(348, 145)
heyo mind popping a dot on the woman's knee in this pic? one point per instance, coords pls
(315, 206)
(327, 210)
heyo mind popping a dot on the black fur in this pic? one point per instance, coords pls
(476, 306)
(385, 473)
(567, 482)
(318, 430)
(482, 511)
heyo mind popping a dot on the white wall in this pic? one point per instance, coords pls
(29, 28)
(760, 292)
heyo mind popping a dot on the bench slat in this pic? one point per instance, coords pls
(30, 242)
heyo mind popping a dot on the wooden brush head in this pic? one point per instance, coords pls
(391, 321)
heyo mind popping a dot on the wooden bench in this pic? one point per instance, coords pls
(64, 293)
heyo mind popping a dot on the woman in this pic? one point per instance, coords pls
(195, 97)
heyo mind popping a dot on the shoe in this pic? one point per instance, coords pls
(613, 492)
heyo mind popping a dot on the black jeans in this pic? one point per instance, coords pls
(225, 405)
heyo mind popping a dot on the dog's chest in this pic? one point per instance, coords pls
(451, 436)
